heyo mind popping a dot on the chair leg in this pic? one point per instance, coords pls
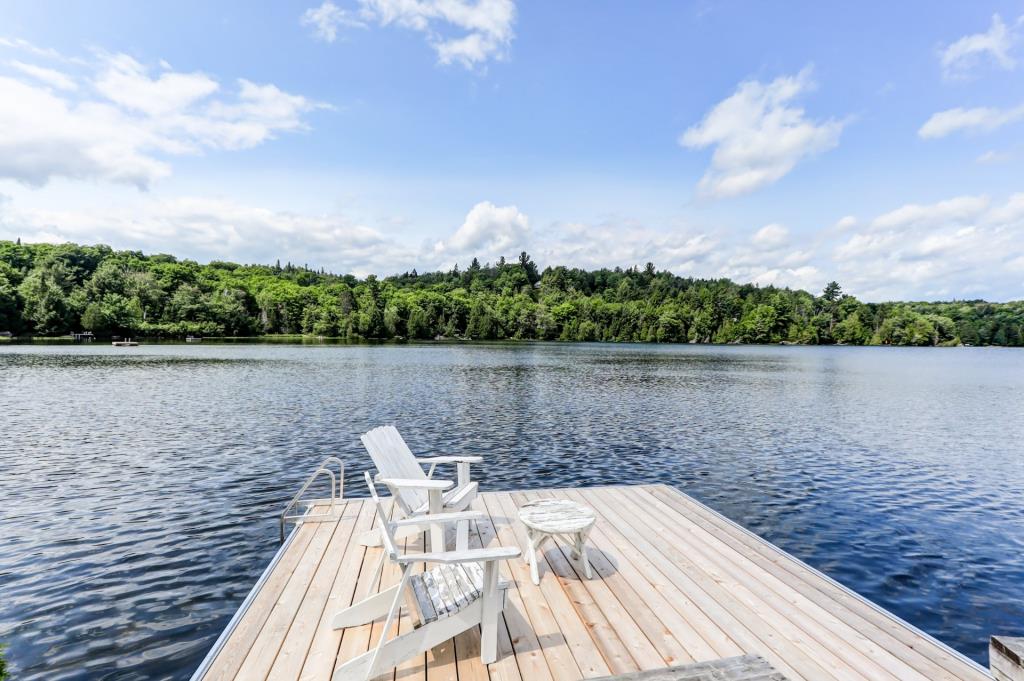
(462, 535)
(415, 642)
(365, 610)
(489, 615)
(435, 506)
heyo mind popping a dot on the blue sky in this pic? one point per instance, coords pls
(879, 144)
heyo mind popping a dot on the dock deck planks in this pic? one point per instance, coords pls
(674, 583)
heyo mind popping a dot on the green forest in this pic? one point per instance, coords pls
(53, 290)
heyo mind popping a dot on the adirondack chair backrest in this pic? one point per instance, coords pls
(394, 459)
(385, 527)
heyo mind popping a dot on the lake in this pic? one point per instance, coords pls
(141, 487)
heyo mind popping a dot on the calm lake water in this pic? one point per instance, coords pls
(140, 487)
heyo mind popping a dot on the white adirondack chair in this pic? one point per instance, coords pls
(462, 591)
(418, 493)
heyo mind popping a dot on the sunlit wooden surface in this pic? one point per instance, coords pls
(673, 582)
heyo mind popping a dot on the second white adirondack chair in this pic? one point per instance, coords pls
(462, 591)
(418, 493)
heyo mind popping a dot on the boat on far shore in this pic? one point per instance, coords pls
(126, 343)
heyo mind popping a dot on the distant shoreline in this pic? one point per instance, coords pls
(55, 290)
(299, 339)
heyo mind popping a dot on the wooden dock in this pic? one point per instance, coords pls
(674, 582)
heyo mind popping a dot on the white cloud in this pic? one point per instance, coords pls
(122, 124)
(958, 210)
(845, 223)
(961, 57)
(468, 32)
(485, 25)
(770, 236)
(992, 156)
(621, 244)
(326, 19)
(126, 82)
(206, 228)
(489, 231)
(953, 248)
(25, 46)
(759, 136)
(50, 77)
(980, 119)
(806, 277)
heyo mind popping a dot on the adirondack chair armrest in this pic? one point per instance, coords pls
(461, 463)
(467, 556)
(428, 518)
(449, 459)
(411, 483)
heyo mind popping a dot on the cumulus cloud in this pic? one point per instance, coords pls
(770, 236)
(120, 123)
(768, 258)
(946, 249)
(958, 210)
(964, 246)
(580, 244)
(994, 45)
(980, 119)
(759, 136)
(326, 19)
(489, 231)
(207, 228)
(467, 32)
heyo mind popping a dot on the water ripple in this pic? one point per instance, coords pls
(142, 486)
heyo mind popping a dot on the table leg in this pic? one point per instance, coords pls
(535, 540)
(581, 551)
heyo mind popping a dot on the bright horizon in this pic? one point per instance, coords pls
(874, 145)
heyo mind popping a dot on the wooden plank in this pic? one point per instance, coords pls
(615, 651)
(415, 668)
(525, 635)
(741, 668)
(932, 661)
(506, 667)
(390, 575)
(225, 665)
(621, 618)
(551, 602)
(847, 644)
(757, 607)
(653, 592)
(467, 655)
(320, 658)
(356, 640)
(303, 629)
(707, 594)
(673, 582)
(258, 662)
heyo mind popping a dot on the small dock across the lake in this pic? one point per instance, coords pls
(673, 583)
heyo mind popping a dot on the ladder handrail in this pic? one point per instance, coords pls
(337, 491)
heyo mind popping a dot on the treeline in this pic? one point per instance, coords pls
(52, 290)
